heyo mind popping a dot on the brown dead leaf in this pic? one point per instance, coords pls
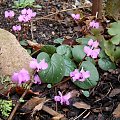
(38, 107)
(21, 90)
(114, 92)
(58, 117)
(32, 103)
(69, 41)
(116, 112)
(80, 105)
(34, 45)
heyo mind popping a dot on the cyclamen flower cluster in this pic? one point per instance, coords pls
(79, 75)
(38, 66)
(26, 15)
(63, 99)
(23, 75)
(92, 50)
(16, 28)
(94, 24)
(9, 14)
(75, 16)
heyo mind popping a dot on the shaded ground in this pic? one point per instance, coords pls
(45, 30)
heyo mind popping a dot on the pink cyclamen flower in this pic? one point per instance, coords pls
(75, 75)
(42, 65)
(9, 14)
(94, 24)
(63, 99)
(16, 27)
(21, 77)
(80, 76)
(75, 16)
(92, 49)
(26, 15)
(37, 79)
(84, 75)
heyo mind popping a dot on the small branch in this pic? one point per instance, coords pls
(52, 14)
(31, 23)
(18, 103)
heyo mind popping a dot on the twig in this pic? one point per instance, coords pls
(52, 14)
(18, 103)
(31, 23)
(79, 115)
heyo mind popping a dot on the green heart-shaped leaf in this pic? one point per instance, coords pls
(59, 40)
(49, 49)
(78, 53)
(69, 66)
(83, 41)
(114, 30)
(64, 50)
(56, 69)
(106, 64)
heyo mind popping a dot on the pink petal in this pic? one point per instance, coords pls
(33, 14)
(24, 11)
(25, 75)
(37, 79)
(20, 79)
(61, 97)
(77, 16)
(15, 77)
(18, 27)
(92, 23)
(20, 18)
(86, 74)
(43, 64)
(11, 13)
(77, 76)
(14, 28)
(95, 53)
(33, 64)
(6, 14)
(73, 16)
(57, 98)
(87, 50)
(67, 96)
(95, 44)
(29, 11)
(90, 42)
(96, 25)
(74, 72)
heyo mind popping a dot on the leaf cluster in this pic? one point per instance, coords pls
(5, 107)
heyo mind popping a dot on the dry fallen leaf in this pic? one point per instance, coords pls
(116, 112)
(58, 117)
(21, 90)
(34, 45)
(81, 105)
(38, 107)
(114, 92)
(32, 103)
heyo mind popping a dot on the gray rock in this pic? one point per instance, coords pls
(13, 57)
